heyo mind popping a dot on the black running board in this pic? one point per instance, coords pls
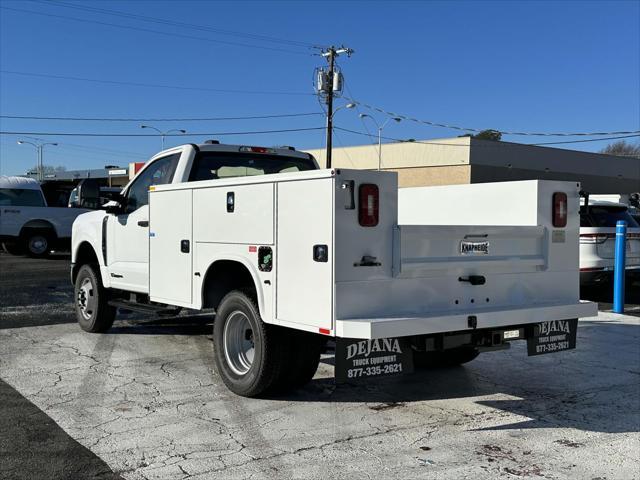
(143, 307)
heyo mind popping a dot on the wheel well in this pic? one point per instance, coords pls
(84, 255)
(37, 225)
(222, 277)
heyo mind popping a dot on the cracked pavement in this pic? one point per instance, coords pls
(145, 400)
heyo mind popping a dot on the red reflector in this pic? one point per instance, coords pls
(560, 209)
(368, 205)
(253, 249)
(592, 269)
(324, 331)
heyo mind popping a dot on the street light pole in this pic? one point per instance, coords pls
(163, 134)
(39, 146)
(380, 128)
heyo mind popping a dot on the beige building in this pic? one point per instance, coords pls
(469, 160)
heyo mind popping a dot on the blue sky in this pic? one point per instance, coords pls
(519, 66)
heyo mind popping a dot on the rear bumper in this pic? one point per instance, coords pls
(599, 276)
(371, 328)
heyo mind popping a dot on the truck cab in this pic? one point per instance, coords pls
(289, 256)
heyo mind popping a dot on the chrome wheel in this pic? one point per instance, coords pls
(38, 244)
(86, 298)
(239, 348)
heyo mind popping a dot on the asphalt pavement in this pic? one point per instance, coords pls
(144, 402)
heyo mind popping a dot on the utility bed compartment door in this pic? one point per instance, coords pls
(237, 214)
(171, 247)
(304, 292)
(431, 250)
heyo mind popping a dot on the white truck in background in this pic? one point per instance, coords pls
(27, 223)
(290, 256)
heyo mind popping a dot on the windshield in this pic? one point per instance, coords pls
(213, 165)
(21, 197)
(601, 216)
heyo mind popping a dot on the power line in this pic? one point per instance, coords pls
(493, 144)
(589, 140)
(192, 119)
(158, 32)
(192, 26)
(504, 132)
(83, 134)
(150, 85)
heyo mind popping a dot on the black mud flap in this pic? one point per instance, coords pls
(552, 336)
(358, 359)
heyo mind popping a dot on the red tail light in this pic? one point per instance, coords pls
(369, 197)
(257, 149)
(560, 209)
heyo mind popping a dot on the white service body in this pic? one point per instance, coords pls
(399, 278)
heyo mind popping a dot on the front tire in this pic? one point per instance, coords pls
(249, 354)
(93, 311)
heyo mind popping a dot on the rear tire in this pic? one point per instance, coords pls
(446, 358)
(38, 242)
(93, 311)
(303, 360)
(249, 354)
(13, 248)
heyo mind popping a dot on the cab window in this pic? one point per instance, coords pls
(214, 165)
(160, 172)
(21, 197)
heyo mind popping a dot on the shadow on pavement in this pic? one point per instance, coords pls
(587, 389)
(604, 296)
(33, 446)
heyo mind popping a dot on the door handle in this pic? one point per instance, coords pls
(473, 279)
(143, 223)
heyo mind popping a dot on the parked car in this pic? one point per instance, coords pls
(290, 256)
(597, 242)
(27, 223)
(106, 195)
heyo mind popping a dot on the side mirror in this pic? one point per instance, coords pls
(89, 193)
(113, 207)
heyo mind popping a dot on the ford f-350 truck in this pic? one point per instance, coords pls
(288, 256)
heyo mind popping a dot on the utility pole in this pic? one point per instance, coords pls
(329, 85)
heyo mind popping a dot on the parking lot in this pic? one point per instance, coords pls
(144, 402)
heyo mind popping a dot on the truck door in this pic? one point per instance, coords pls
(128, 233)
(304, 257)
(170, 246)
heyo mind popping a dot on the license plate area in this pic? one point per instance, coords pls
(358, 359)
(552, 336)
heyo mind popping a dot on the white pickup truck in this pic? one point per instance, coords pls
(27, 223)
(290, 256)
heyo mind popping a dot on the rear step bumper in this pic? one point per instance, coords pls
(371, 328)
